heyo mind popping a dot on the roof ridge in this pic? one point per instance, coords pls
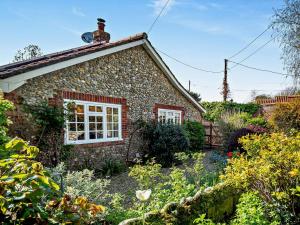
(15, 68)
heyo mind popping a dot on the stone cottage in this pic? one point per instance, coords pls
(112, 84)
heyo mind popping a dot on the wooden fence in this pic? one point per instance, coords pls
(213, 136)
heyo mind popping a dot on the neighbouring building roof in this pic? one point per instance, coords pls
(277, 99)
(16, 74)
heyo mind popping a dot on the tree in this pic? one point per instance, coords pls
(290, 91)
(29, 52)
(195, 95)
(286, 24)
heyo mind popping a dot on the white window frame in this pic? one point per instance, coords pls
(86, 105)
(160, 111)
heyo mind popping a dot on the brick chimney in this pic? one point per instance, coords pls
(100, 36)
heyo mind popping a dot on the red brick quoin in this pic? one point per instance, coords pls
(61, 95)
(171, 107)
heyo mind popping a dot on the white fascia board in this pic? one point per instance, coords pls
(11, 83)
(169, 74)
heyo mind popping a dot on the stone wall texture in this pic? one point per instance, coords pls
(129, 74)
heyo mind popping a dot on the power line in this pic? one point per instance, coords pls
(257, 50)
(259, 69)
(161, 11)
(188, 65)
(238, 52)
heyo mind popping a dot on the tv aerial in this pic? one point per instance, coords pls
(87, 37)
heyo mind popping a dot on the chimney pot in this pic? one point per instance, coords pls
(100, 35)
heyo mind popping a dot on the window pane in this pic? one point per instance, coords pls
(80, 126)
(109, 126)
(79, 109)
(80, 135)
(71, 117)
(115, 126)
(72, 136)
(99, 126)
(72, 126)
(109, 134)
(115, 118)
(115, 111)
(100, 119)
(116, 133)
(109, 110)
(92, 108)
(92, 126)
(99, 135)
(99, 109)
(92, 135)
(109, 118)
(80, 118)
(92, 118)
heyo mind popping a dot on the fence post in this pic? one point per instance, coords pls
(211, 135)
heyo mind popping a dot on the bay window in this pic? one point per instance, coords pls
(92, 122)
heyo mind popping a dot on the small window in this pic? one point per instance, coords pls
(89, 122)
(169, 116)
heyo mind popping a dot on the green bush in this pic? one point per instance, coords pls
(230, 122)
(28, 195)
(214, 110)
(195, 132)
(286, 116)
(112, 167)
(272, 169)
(251, 211)
(163, 141)
(81, 183)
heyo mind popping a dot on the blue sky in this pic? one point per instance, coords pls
(199, 32)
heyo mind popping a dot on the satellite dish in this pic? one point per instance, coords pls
(87, 37)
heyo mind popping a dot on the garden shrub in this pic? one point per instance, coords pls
(286, 116)
(28, 195)
(49, 121)
(233, 142)
(214, 110)
(163, 141)
(271, 168)
(251, 211)
(112, 167)
(232, 122)
(195, 132)
(229, 123)
(81, 183)
(166, 187)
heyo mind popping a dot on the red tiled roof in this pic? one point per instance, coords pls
(277, 99)
(13, 69)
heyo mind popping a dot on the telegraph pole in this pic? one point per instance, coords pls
(225, 90)
(189, 86)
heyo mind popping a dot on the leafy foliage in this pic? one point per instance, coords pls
(163, 141)
(233, 143)
(251, 211)
(195, 132)
(27, 192)
(81, 183)
(166, 187)
(4, 121)
(195, 95)
(286, 116)
(49, 120)
(214, 110)
(112, 166)
(231, 122)
(29, 52)
(286, 24)
(272, 170)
